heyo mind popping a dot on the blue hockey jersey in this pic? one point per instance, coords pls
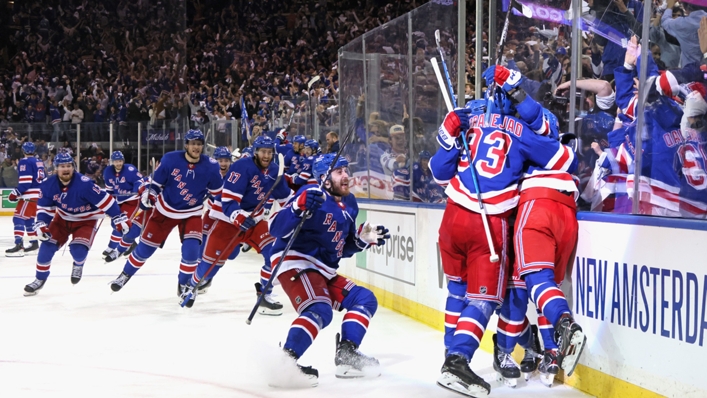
(304, 176)
(181, 187)
(245, 186)
(326, 237)
(31, 173)
(292, 161)
(122, 185)
(80, 200)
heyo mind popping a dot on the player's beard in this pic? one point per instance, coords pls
(340, 188)
(65, 176)
(261, 163)
(191, 157)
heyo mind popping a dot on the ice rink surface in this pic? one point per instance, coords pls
(85, 341)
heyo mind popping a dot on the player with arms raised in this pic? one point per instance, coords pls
(477, 279)
(69, 204)
(177, 192)
(308, 273)
(31, 172)
(123, 182)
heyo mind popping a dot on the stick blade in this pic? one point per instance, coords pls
(280, 164)
(437, 37)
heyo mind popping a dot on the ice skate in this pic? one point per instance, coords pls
(204, 286)
(268, 305)
(119, 282)
(112, 256)
(32, 249)
(351, 364)
(458, 377)
(245, 248)
(106, 252)
(303, 376)
(76, 273)
(188, 296)
(130, 249)
(548, 367)
(507, 370)
(17, 251)
(571, 340)
(34, 287)
(181, 289)
(532, 356)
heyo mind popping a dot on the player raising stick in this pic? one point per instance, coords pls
(308, 273)
(177, 192)
(246, 184)
(69, 204)
(31, 172)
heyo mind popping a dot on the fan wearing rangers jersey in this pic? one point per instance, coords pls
(308, 273)
(246, 183)
(500, 149)
(123, 182)
(69, 204)
(180, 184)
(546, 233)
(31, 172)
(304, 175)
(396, 163)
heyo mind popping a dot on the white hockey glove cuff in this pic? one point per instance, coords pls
(42, 231)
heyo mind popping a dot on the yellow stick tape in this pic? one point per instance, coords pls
(584, 378)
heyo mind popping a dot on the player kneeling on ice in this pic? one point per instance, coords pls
(69, 204)
(237, 216)
(308, 272)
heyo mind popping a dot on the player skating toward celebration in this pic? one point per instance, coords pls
(31, 173)
(177, 192)
(310, 152)
(477, 279)
(69, 204)
(308, 273)
(123, 182)
(546, 232)
(137, 222)
(245, 186)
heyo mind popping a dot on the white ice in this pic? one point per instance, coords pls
(85, 341)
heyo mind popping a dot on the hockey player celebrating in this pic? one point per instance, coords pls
(69, 204)
(309, 153)
(546, 233)
(123, 182)
(31, 172)
(477, 279)
(308, 272)
(177, 192)
(245, 186)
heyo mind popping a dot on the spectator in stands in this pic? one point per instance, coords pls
(8, 173)
(332, 140)
(684, 29)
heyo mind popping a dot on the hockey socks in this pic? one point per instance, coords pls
(360, 305)
(138, 257)
(19, 226)
(44, 259)
(115, 238)
(456, 301)
(547, 333)
(548, 298)
(201, 269)
(513, 327)
(470, 329)
(29, 227)
(266, 270)
(307, 326)
(190, 258)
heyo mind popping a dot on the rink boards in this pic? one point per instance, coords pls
(638, 287)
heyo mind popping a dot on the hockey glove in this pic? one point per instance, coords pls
(242, 220)
(14, 196)
(120, 223)
(369, 234)
(310, 199)
(282, 136)
(42, 231)
(456, 122)
(508, 80)
(147, 198)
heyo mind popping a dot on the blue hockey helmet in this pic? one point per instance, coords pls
(476, 106)
(247, 152)
(63, 158)
(299, 139)
(554, 124)
(425, 155)
(194, 135)
(28, 147)
(323, 162)
(222, 153)
(500, 103)
(312, 144)
(117, 155)
(263, 141)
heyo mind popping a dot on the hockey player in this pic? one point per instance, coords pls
(294, 159)
(69, 204)
(177, 192)
(31, 173)
(304, 175)
(476, 283)
(137, 222)
(245, 186)
(308, 273)
(546, 232)
(123, 182)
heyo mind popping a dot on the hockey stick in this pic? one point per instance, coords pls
(499, 53)
(446, 71)
(280, 173)
(484, 215)
(299, 226)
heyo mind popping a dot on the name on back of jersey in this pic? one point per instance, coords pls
(508, 123)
